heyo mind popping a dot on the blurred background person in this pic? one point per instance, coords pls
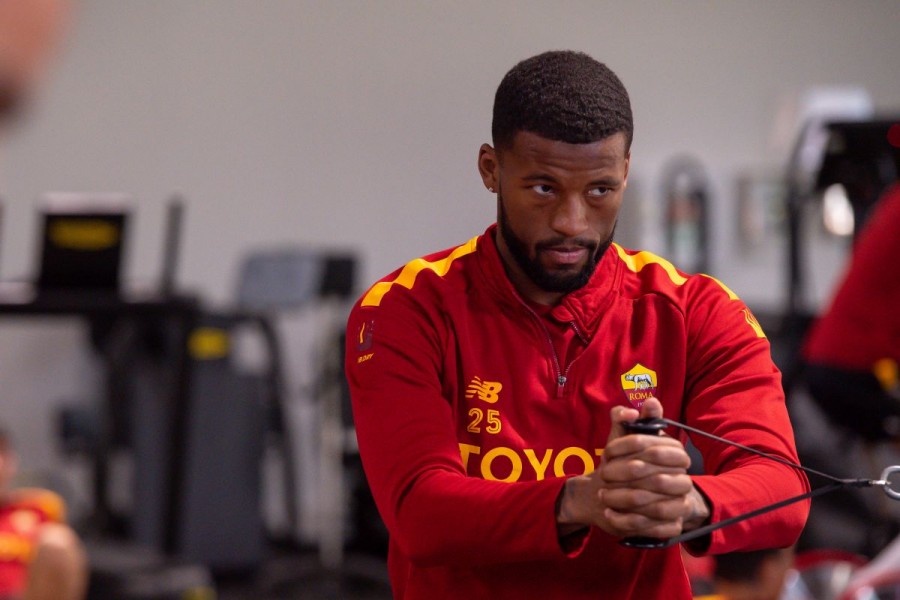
(29, 31)
(41, 558)
(851, 355)
(853, 349)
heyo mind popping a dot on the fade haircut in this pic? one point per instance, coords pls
(564, 96)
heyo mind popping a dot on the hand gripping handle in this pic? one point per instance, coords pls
(655, 426)
(646, 426)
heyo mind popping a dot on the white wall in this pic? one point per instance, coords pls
(356, 124)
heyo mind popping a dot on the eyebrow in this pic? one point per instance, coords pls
(603, 181)
(539, 177)
(607, 181)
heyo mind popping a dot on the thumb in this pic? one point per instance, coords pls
(619, 415)
(652, 409)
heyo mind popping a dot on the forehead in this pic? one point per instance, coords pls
(530, 150)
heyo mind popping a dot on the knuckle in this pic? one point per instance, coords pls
(664, 511)
(667, 528)
(644, 497)
(657, 452)
(636, 468)
(632, 522)
(673, 483)
(659, 481)
(610, 473)
(621, 500)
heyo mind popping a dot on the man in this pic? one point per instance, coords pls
(492, 382)
(41, 558)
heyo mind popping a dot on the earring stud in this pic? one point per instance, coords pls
(491, 190)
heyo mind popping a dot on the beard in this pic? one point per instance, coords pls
(551, 281)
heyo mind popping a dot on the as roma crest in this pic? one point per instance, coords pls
(639, 383)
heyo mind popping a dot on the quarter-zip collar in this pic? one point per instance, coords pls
(583, 307)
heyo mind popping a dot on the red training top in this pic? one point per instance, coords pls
(470, 414)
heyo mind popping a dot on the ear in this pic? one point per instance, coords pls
(627, 166)
(489, 167)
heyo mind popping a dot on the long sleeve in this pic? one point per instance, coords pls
(412, 459)
(734, 391)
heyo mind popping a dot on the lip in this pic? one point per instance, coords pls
(566, 255)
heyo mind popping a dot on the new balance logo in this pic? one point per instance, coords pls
(488, 391)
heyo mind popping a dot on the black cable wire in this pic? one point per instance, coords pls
(646, 542)
(778, 459)
(655, 426)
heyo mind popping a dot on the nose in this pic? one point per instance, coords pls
(570, 216)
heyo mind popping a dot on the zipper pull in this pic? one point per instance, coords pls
(560, 384)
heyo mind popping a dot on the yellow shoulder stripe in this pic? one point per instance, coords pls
(638, 261)
(748, 316)
(731, 295)
(407, 276)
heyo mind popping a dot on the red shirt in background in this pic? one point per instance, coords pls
(862, 325)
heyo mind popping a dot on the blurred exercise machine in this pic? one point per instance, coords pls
(303, 295)
(855, 154)
(687, 195)
(861, 158)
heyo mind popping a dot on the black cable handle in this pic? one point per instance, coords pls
(655, 426)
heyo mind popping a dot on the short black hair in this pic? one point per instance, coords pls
(742, 566)
(564, 96)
